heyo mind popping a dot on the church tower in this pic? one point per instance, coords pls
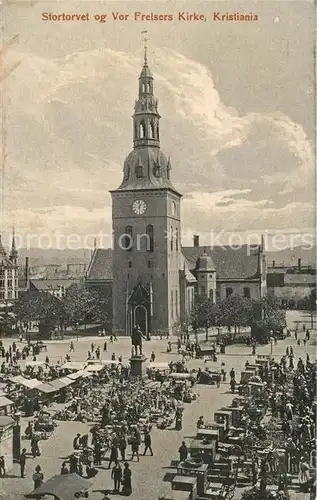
(146, 227)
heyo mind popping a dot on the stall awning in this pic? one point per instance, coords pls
(74, 365)
(159, 366)
(94, 368)
(59, 383)
(5, 401)
(61, 487)
(5, 421)
(31, 383)
(76, 375)
(46, 388)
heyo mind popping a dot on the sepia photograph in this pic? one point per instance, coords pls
(158, 250)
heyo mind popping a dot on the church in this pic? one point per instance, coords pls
(150, 278)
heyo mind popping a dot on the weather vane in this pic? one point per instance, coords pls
(145, 40)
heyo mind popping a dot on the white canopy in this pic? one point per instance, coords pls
(74, 365)
(94, 368)
(32, 383)
(159, 366)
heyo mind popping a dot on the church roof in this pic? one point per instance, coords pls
(204, 263)
(100, 266)
(230, 263)
(146, 72)
(146, 168)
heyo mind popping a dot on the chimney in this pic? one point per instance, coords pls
(299, 265)
(196, 240)
(273, 263)
(27, 272)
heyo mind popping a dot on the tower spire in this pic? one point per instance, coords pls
(145, 40)
(13, 252)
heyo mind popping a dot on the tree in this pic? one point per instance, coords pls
(204, 314)
(42, 307)
(83, 305)
(235, 311)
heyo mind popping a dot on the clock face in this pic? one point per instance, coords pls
(173, 207)
(139, 207)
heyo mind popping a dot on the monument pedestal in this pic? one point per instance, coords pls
(137, 366)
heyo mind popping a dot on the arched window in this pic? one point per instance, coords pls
(229, 291)
(211, 295)
(176, 240)
(150, 238)
(157, 170)
(143, 87)
(246, 292)
(142, 130)
(202, 290)
(127, 241)
(149, 87)
(157, 131)
(139, 171)
(152, 130)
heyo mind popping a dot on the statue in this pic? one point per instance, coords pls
(136, 339)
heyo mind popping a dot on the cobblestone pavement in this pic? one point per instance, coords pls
(148, 475)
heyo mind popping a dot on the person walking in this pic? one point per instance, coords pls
(113, 455)
(135, 448)
(183, 452)
(38, 477)
(116, 475)
(22, 461)
(152, 358)
(127, 484)
(122, 447)
(148, 443)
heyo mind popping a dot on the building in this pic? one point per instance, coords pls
(8, 273)
(291, 284)
(55, 287)
(152, 278)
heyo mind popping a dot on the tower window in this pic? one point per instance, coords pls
(127, 241)
(211, 295)
(246, 292)
(150, 238)
(229, 292)
(143, 87)
(202, 290)
(142, 130)
(130, 263)
(172, 303)
(172, 239)
(149, 264)
(157, 171)
(152, 130)
(176, 240)
(139, 171)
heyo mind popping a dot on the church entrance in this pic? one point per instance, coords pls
(139, 310)
(141, 319)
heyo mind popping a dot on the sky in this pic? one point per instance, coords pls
(237, 116)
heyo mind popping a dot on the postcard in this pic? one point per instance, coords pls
(157, 230)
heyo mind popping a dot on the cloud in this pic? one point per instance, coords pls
(69, 131)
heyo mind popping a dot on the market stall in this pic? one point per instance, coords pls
(61, 487)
